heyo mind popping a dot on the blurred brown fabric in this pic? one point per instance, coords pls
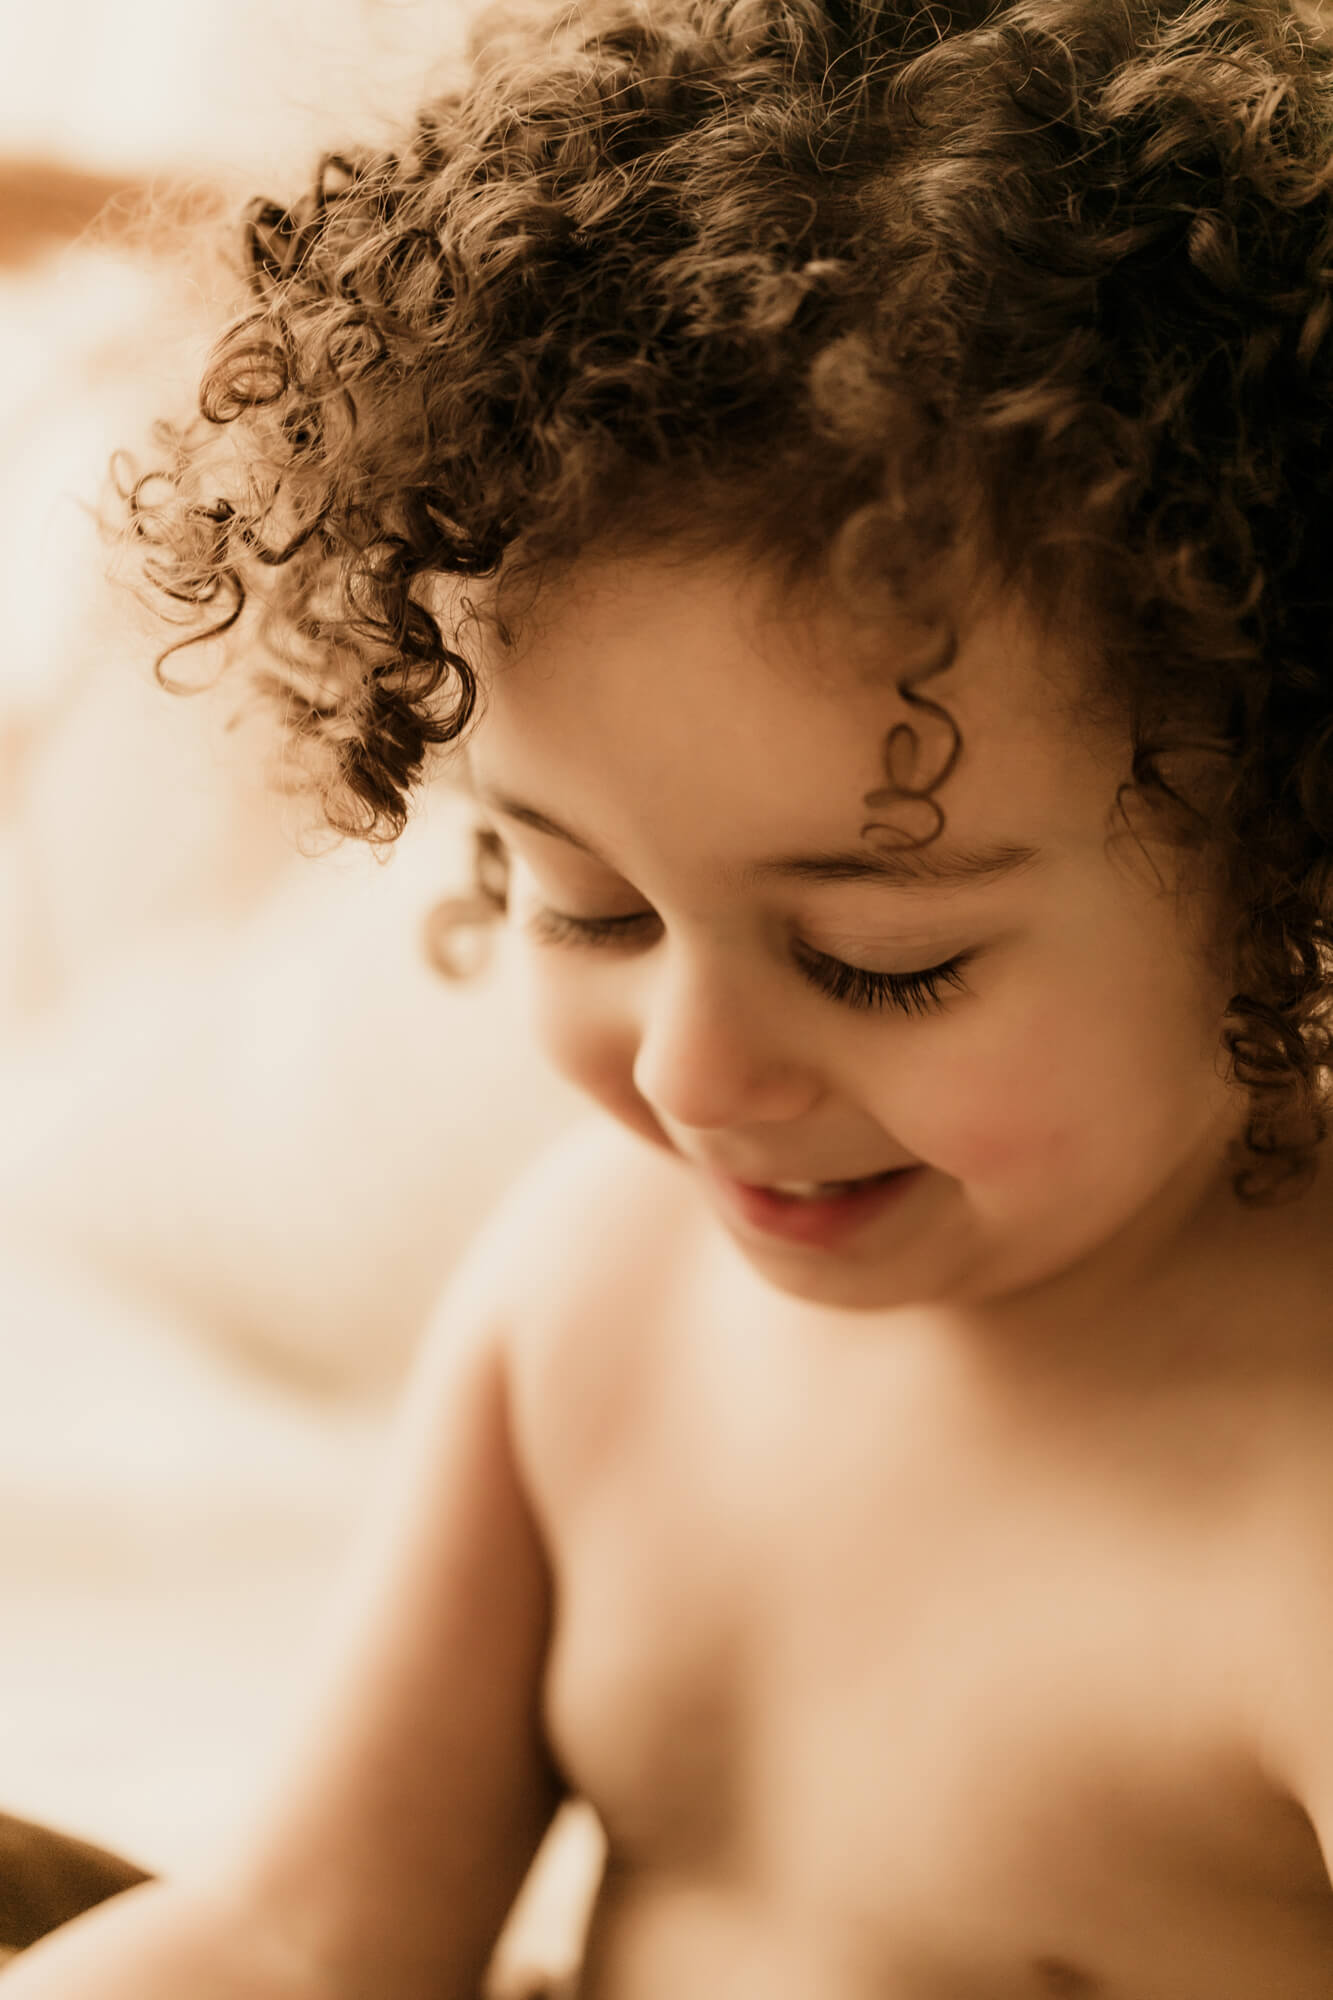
(43, 204)
(46, 1878)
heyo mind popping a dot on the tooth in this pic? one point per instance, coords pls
(812, 1190)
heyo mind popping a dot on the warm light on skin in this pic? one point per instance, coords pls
(688, 730)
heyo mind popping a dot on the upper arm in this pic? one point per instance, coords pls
(399, 1839)
(1286, 1640)
(1310, 1762)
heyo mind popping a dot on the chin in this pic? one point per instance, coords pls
(837, 1283)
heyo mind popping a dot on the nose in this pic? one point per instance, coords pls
(714, 1052)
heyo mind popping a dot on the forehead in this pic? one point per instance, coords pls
(704, 689)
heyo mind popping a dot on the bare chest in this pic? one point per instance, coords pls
(868, 1709)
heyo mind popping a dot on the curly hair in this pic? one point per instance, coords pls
(849, 285)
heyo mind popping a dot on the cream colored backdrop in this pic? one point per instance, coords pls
(243, 1129)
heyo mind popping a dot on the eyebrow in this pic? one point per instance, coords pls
(904, 868)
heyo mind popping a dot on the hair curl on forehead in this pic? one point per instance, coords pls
(841, 285)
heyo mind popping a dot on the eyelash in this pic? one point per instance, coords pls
(916, 993)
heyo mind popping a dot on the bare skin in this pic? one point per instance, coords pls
(897, 1671)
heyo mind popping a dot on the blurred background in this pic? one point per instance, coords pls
(244, 1127)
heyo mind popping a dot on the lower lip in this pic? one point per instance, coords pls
(822, 1223)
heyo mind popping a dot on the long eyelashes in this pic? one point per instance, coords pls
(554, 927)
(909, 992)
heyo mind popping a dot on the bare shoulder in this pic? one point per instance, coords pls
(393, 1847)
(585, 1261)
(595, 1207)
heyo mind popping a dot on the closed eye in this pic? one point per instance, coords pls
(913, 993)
(910, 992)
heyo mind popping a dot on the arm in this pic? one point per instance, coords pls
(400, 1836)
(1279, 1647)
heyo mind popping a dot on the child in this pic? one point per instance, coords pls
(853, 478)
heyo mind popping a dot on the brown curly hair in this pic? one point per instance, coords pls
(846, 284)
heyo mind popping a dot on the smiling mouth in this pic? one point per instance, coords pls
(816, 1216)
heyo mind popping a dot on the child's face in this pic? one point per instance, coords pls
(685, 733)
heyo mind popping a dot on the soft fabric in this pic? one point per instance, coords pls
(46, 1878)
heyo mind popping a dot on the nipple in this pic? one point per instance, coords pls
(1060, 1980)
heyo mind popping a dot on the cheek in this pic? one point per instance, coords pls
(590, 1042)
(1004, 1109)
(1060, 1095)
